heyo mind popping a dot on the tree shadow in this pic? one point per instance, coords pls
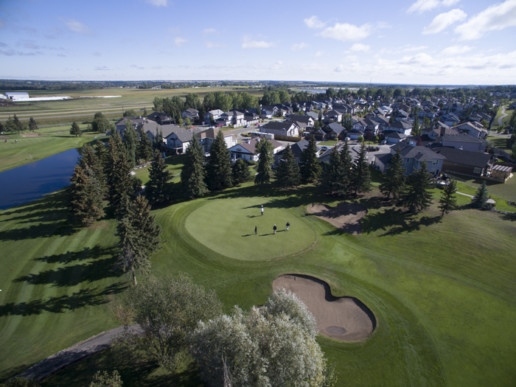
(413, 225)
(383, 220)
(79, 299)
(70, 256)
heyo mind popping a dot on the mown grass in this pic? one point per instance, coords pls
(28, 147)
(442, 290)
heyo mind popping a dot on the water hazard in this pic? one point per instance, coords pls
(32, 181)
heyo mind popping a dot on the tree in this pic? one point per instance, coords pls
(93, 159)
(333, 175)
(75, 130)
(361, 172)
(448, 201)
(218, 174)
(240, 172)
(119, 181)
(14, 124)
(156, 188)
(288, 174)
(130, 138)
(416, 130)
(33, 125)
(264, 168)
(168, 311)
(193, 173)
(139, 236)
(106, 379)
(86, 196)
(310, 165)
(417, 196)
(101, 124)
(270, 346)
(144, 148)
(481, 197)
(393, 181)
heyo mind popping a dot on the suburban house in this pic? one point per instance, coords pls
(281, 128)
(464, 142)
(269, 111)
(207, 137)
(414, 156)
(251, 118)
(191, 114)
(394, 137)
(472, 129)
(160, 118)
(334, 130)
(465, 162)
(213, 115)
(179, 139)
(400, 126)
(246, 150)
(303, 121)
(333, 116)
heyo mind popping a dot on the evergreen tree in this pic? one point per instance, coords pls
(240, 172)
(481, 197)
(288, 174)
(448, 202)
(416, 130)
(144, 149)
(156, 188)
(139, 237)
(193, 173)
(393, 181)
(333, 175)
(361, 172)
(75, 130)
(264, 168)
(33, 125)
(218, 174)
(90, 159)
(346, 183)
(310, 165)
(86, 196)
(417, 196)
(119, 180)
(158, 141)
(130, 137)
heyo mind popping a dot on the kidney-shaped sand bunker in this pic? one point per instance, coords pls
(341, 318)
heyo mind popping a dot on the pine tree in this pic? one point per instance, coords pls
(144, 148)
(139, 237)
(218, 170)
(193, 173)
(361, 172)
(310, 165)
(33, 125)
(90, 159)
(130, 143)
(156, 188)
(119, 180)
(17, 124)
(264, 168)
(86, 196)
(332, 174)
(481, 197)
(346, 184)
(448, 202)
(393, 181)
(288, 174)
(75, 130)
(158, 141)
(417, 196)
(240, 172)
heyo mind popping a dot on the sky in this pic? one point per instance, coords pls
(446, 42)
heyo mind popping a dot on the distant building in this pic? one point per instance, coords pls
(17, 96)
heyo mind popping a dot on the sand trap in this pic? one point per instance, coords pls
(345, 216)
(341, 318)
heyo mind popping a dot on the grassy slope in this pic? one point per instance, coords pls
(442, 292)
(28, 149)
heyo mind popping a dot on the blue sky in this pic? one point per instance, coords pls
(413, 41)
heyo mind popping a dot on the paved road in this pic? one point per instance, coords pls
(75, 353)
(502, 116)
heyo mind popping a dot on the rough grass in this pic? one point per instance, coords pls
(442, 290)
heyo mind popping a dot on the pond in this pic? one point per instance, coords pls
(32, 181)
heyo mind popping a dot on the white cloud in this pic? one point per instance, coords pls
(210, 30)
(210, 44)
(248, 43)
(346, 32)
(179, 41)
(496, 17)
(421, 6)
(298, 46)
(77, 26)
(456, 50)
(158, 3)
(360, 47)
(314, 22)
(444, 20)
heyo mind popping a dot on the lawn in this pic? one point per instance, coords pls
(26, 147)
(442, 291)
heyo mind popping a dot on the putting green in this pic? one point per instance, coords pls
(227, 227)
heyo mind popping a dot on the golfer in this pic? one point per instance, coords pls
(288, 225)
(274, 229)
(255, 230)
(262, 209)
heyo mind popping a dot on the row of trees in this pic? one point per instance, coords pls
(271, 345)
(13, 124)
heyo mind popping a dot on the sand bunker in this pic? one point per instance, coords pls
(341, 318)
(345, 216)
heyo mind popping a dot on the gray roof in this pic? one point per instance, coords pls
(184, 135)
(457, 156)
(421, 153)
(278, 125)
(336, 128)
(461, 138)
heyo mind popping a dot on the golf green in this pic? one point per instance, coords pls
(227, 226)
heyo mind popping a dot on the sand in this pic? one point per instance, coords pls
(345, 216)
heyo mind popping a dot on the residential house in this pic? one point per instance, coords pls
(191, 114)
(334, 131)
(251, 118)
(213, 115)
(179, 139)
(303, 121)
(238, 118)
(281, 128)
(207, 137)
(465, 162)
(269, 111)
(333, 116)
(472, 129)
(246, 150)
(394, 137)
(414, 156)
(464, 142)
(161, 118)
(400, 126)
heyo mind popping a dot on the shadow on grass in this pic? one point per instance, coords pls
(395, 221)
(79, 299)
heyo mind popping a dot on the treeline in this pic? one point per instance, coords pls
(14, 125)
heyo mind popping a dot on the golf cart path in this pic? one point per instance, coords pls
(502, 116)
(75, 353)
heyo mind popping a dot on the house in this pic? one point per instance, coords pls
(191, 114)
(472, 129)
(334, 130)
(465, 162)
(207, 137)
(333, 116)
(414, 156)
(464, 142)
(314, 115)
(213, 115)
(161, 118)
(298, 148)
(400, 126)
(269, 111)
(394, 137)
(179, 139)
(303, 121)
(281, 128)
(251, 118)
(238, 118)
(246, 150)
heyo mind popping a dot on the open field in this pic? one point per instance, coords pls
(442, 291)
(46, 142)
(84, 106)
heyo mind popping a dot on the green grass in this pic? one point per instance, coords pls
(327, 143)
(442, 291)
(48, 141)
